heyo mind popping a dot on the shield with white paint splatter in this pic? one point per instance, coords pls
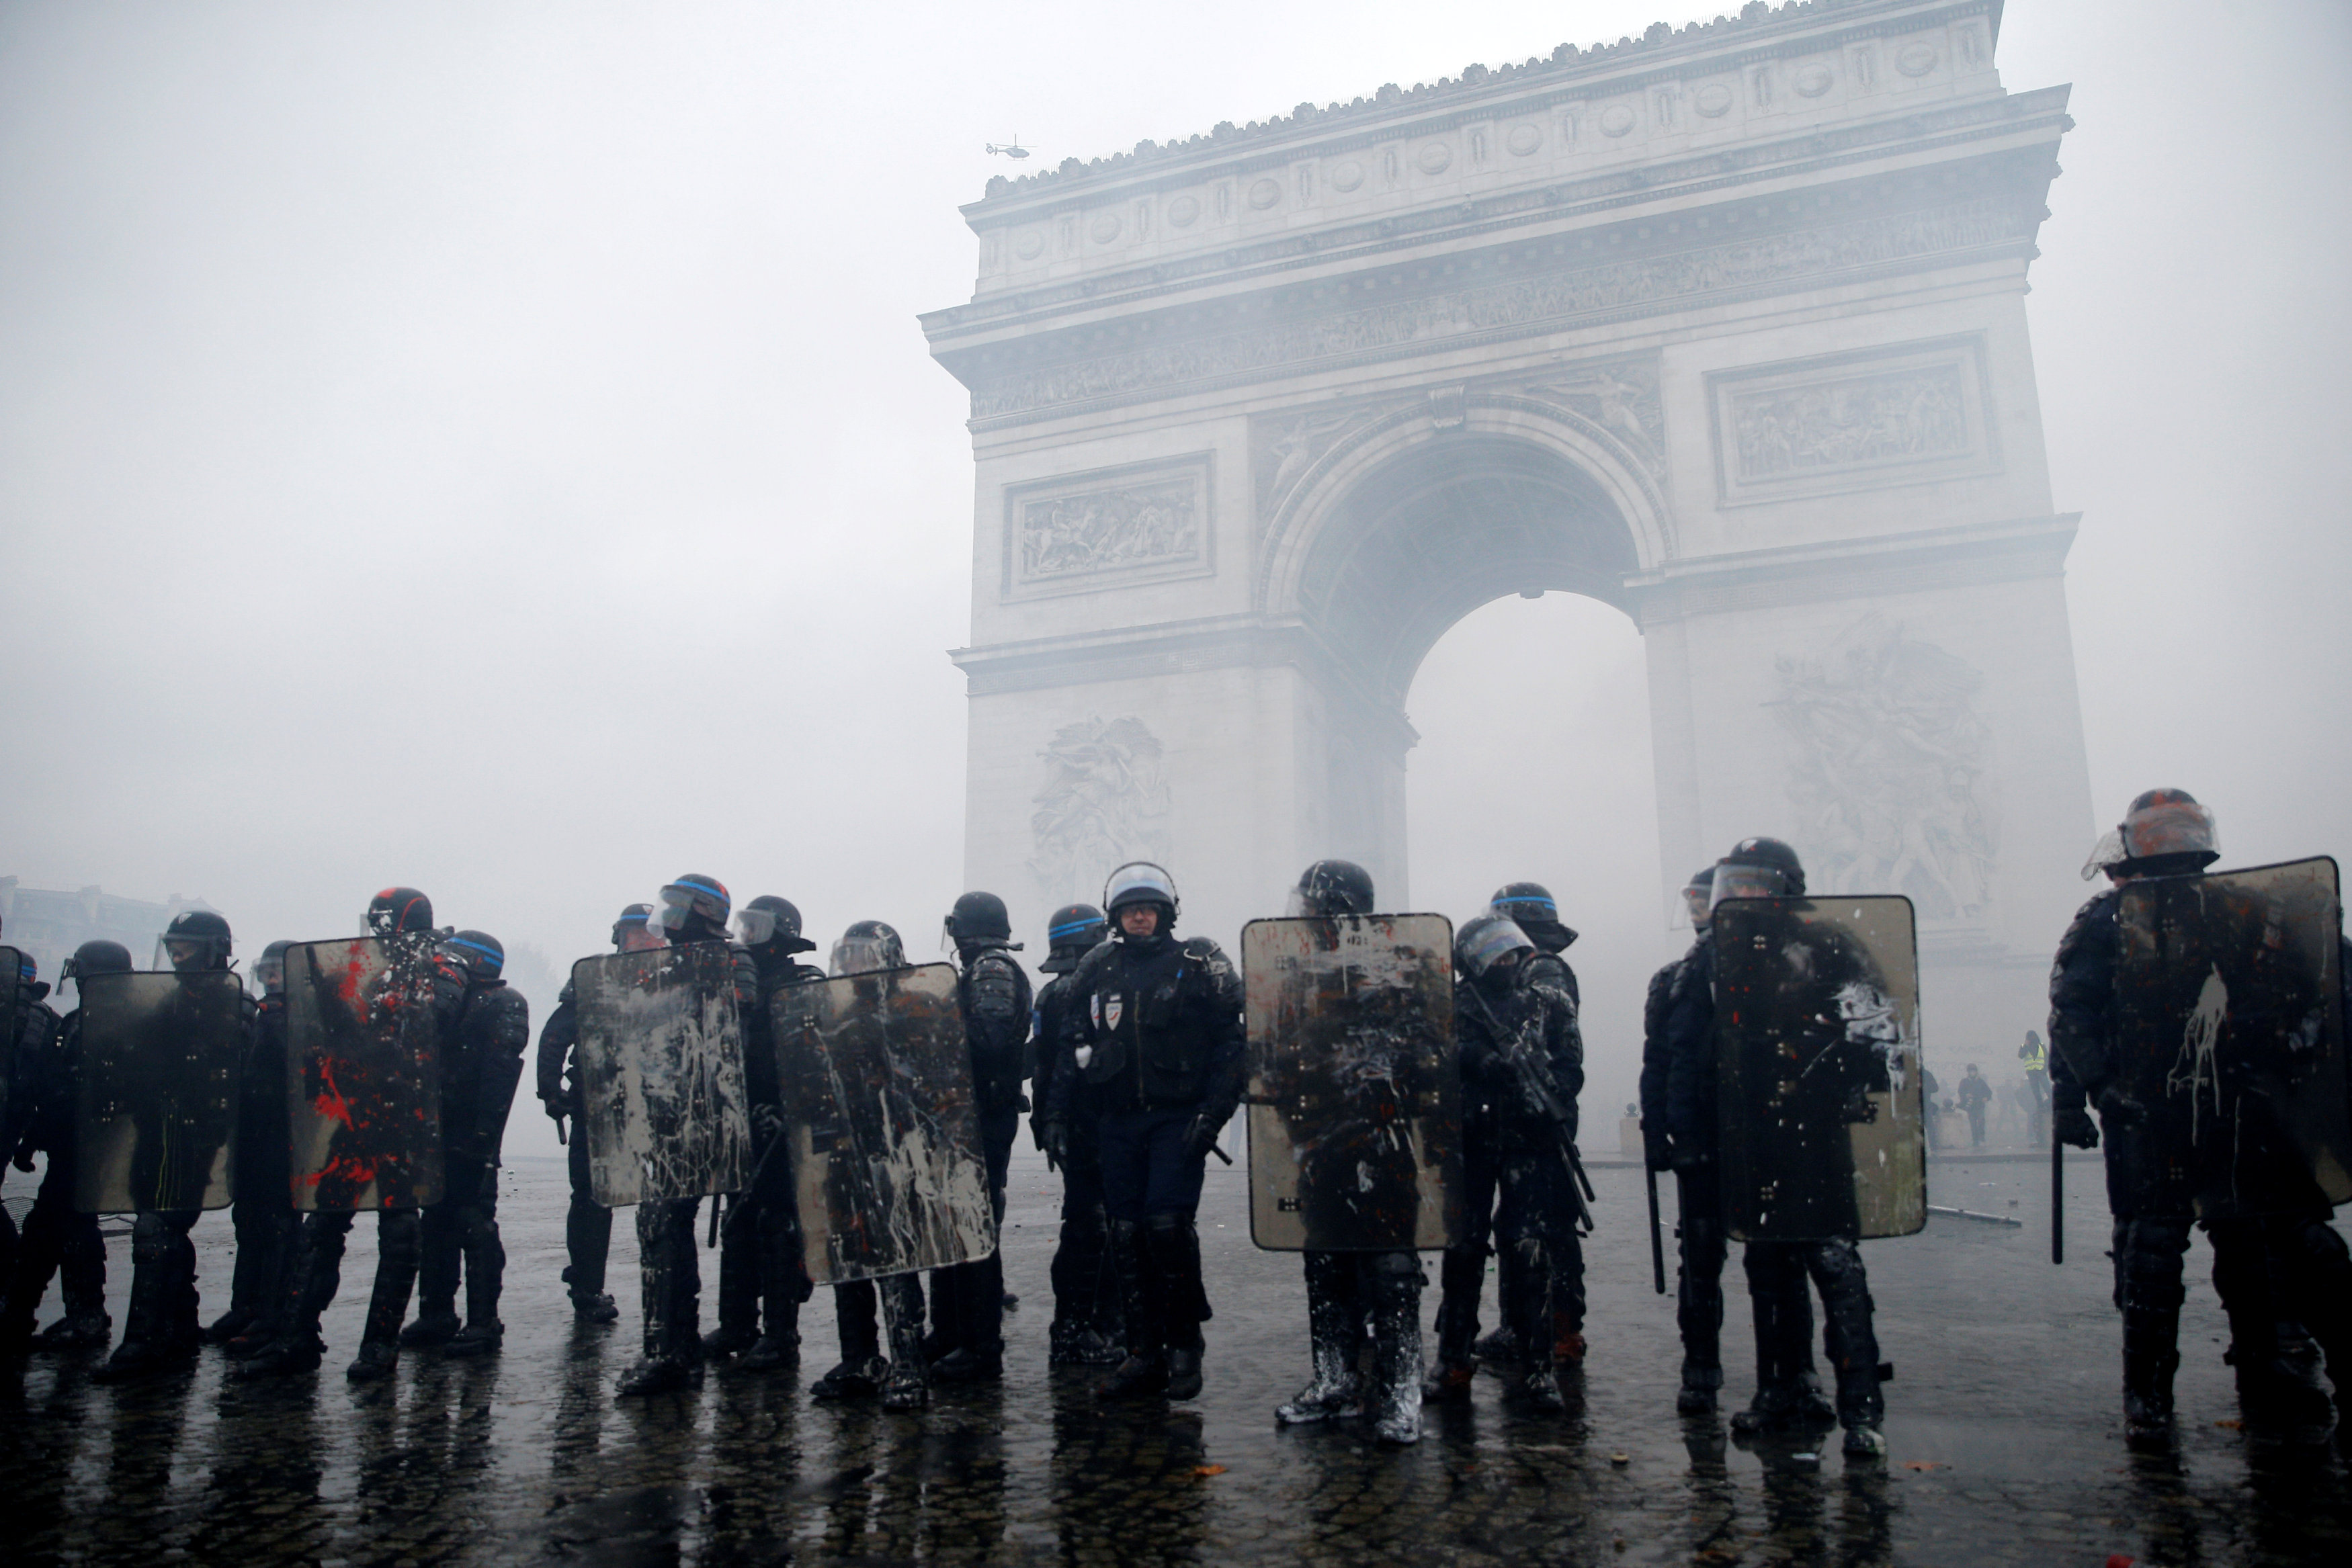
(2230, 1031)
(363, 1073)
(877, 1097)
(12, 966)
(1817, 1061)
(660, 1057)
(155, 1115)
(1355, 1089)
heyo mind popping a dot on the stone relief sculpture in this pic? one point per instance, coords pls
(1889, 755)
(1622, 397)
(1146, 524)
(1105, 800)
(1288, 445)
(1851, 423)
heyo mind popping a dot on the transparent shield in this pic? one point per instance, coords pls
(660, 1060)
(156, 1118)
(363, 1073)
(12, 963)
(877, 1082)
(2230, 1026)
(1817, 1029)
(1355, 1092)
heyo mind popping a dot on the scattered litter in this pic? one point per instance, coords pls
(1208, 1469)
(1620, 1459)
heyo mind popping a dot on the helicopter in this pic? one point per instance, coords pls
(1012, 148)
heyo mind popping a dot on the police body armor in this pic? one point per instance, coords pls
(877, 1086)
(155, 1116)
(1355, 1095)
(2230, 1035)
(1817, 1030)
(363, 1073)
(1137, 1001)
(659, 1062)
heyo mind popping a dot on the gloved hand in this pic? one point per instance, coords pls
(2074, 1127)
(1054, 1137)
(1202, 1136)
(1656, 1152)
(766, 1120)
(556, 1109)
(2117, 1109)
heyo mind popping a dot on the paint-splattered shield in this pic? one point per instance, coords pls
(1817, 1032)
(156, 1118)
(12, 963)
(661, 1074)
(2232, 1029)
(1355, 1089)
(886, 1165)
(363, 1073)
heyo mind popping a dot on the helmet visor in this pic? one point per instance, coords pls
(754, 927)
(2170, 828)
(269, 974)
(1747, 882)
(2107, 851)
(1486, 946)
(1140, 881)
(865, 954)
(681, 899)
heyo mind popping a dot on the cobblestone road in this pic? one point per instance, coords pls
(2004, 1422)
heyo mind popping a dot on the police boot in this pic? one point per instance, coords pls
(907, 1385)
(780, 1346)
(1335, 1325)
(862, 1367)
(231, 1324)
(149, 1345)
(1175, 1246)
(1501, 1347)
(436, 1288)
(1699, 1383)
(1852, 1344)
(1144, 1371)
(1527, 1307)
(1396, 1347)
(588, 1239)
(2151, 1354)
(738, 1290)
(483, 1334)
(437, 1323)
(1461, 1275)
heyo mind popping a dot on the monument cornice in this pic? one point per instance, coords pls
(1812, 152)
(1869, 566)
(1663, 56)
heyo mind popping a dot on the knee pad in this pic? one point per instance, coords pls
(1396, 1279)
(2148, 1264)
(151, 1239)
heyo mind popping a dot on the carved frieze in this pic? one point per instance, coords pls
(1618, 396)
(1283, 446)
(1103, 801)
(1888, 783)
(1089, 532)
(1542, 302)
(1896, 415)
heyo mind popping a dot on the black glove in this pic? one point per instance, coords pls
(1657, 1152)
(1202, 1136)
(1054, 1137)
(556, 1109)
(2075, 1126)
(2118, 1109)
(767, 1121)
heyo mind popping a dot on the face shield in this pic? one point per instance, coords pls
(269, 974)
(1698, 903)
(2107, 851)
(1486, 944)
(1747, 882)
(755, 927)
(680, 900)
(1138, 882)
(863, 953)
(2172, 827)
(187, 954)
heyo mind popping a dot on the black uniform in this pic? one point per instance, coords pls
(760, 1261)
(1698, 1230)
(587, 1223)
(1154, 1030)
(1521, 1193)
(478, 1086)
(968, 1300)
(269, 1226)
(40, 1116)
(1087, 1321)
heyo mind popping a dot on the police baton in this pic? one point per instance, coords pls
(735, 1210)
(2057, 1195)
(560, 1139)
(1657, 1241)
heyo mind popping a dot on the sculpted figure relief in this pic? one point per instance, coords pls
(1103, 801)
(1889, 751)
(1103, 530)
(1851, 423)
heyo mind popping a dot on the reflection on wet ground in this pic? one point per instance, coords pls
(2003, 1420)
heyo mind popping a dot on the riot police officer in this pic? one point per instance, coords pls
(760, 1261)
(694, 908)
(968, 1300)
(28, 1030)
(477, 1085)
(2290, 1265)
(1787, 1392)
(269, 1226)
(587, 1223)
(1087, 1326)
(1522, 1068)
(1155, 1032)
(159, 1328)
(57, 1236)
(1345, 1290)
(1702, 1244)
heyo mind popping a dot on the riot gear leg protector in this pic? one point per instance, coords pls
(1335, 1335)
(1145, 1370)
(1698, 1302)
(671, 1297)
(399, 1246)
(587, 1239)
(2149, 1293)
(738, 1283)
(784, 1285)
(441, 1257)
(1849, 1339)
(486, 1267)
(1395, 1280)
(1175, 1246)
(907, 1385)
(862, 1367)
(2272, 1391)
(1786, 1392)
(160, 1331)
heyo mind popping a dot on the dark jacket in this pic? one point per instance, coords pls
(478, 1091)
(995, 992)
(1536, 1021)
(1690, 1071)
(1656, 1006)
(1160, 1024)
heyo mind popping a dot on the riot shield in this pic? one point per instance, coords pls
(12, 963)
(363, 1073)
(2230, 1031)
(888, 1171)
(155, 1116)
(1355, 1088)
(660, 1061)
(1817, 1042)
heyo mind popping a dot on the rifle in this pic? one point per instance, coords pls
(1535, 1082)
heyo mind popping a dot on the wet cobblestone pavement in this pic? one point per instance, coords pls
(2004, 1425)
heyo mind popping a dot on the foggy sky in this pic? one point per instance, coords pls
(489, 447)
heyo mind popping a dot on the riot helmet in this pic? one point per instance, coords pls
(482, 956)
(1757, 868)
(2167, 833)
(270, 969)
(397, 909)
(768, 919)
(1329, 889)
(1142, 882)
(196, 939)
(694, 902)
(1530, 907)
(1489, 945)
(979, 917)
(94, 957)
(634, 931)
(865, 946)
(1075, 929)
(1698, 898)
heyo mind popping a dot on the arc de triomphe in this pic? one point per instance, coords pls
(1724, 327)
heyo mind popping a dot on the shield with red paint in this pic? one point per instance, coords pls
(363, 1072)
(2230, 1033)
(155, 1111)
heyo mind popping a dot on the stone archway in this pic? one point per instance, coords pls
(1725, 327)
